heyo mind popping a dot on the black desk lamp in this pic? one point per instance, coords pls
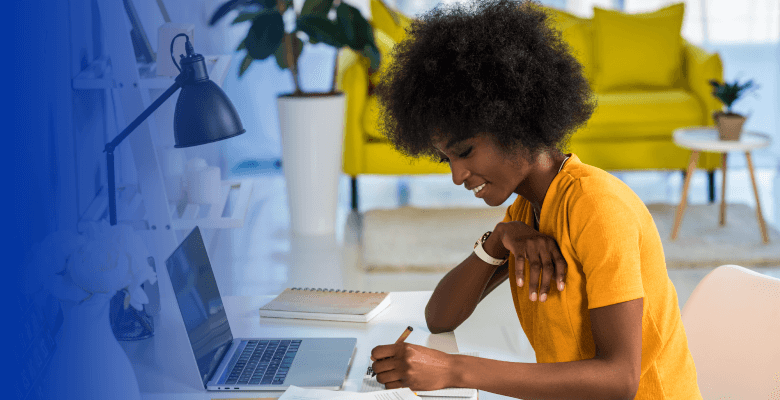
(204, 114)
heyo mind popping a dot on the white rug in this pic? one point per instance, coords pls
(435, 240)
(701, 242)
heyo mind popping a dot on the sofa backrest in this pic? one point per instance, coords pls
(622, 51)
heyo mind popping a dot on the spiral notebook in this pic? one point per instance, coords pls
(326, 304)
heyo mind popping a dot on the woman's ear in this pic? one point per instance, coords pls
(544, 159)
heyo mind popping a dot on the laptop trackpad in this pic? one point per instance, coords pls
(321, 363)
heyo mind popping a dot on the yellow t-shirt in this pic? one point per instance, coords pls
(614, 254)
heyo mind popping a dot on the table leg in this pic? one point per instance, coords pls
(684, 200)
(761, 223)
(724, 157)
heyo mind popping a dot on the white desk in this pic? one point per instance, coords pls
(169, 374)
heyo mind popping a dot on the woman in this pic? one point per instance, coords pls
(490, 89)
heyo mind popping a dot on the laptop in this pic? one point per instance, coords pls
(228, 363)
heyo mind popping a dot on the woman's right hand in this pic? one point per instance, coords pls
(542, 252)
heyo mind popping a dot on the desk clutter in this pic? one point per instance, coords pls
(326, 304)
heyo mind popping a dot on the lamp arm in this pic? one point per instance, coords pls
(111, 146)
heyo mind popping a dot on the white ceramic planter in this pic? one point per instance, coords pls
(312, 140)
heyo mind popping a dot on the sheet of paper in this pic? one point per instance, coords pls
(297, 393)
(370, 384)
(248, 398)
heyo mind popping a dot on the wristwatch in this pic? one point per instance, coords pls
(484, 256)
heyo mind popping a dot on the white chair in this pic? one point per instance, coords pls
(732, 321)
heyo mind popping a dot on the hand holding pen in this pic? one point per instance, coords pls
(409, 365)
(401, 339)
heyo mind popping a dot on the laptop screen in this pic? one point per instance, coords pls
(200, 303)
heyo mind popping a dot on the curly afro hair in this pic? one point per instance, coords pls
(490, 66)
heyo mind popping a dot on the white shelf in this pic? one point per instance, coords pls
(98, 74)
(187, 216)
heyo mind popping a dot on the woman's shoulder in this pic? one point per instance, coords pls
(581, 179)
(590, 189)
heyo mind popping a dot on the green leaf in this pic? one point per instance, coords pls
(321, 29)
(356, 30)
(245, 16)
(231, 5)
(319, 8)
(242, 45)
(265, 35)
(371, 52)
(279, 54)
(245, 65)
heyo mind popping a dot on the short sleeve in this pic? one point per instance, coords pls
(606, 235)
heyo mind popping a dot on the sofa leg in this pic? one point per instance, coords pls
(354, 194)
(711, 185)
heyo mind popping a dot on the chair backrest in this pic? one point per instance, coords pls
(732, 321)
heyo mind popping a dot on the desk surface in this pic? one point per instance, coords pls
(165, 367)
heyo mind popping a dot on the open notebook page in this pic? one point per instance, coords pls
(298, 393)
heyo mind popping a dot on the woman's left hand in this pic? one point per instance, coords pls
(409, 365)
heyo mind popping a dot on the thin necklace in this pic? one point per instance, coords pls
(559, 171)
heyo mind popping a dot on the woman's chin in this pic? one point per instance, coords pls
(494, 202)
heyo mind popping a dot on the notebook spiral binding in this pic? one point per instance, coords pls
(332, 290)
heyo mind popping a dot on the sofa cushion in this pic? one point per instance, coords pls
(577, 32)
(370, 118)
(635, 115)
(637, 50)
(385, 45)
(641, 114)
(383, 18)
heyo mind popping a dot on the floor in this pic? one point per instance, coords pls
(262, 258)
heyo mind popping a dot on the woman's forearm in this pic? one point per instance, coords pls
(458, 293)
(584, 379)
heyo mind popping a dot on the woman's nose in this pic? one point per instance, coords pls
(459, 173)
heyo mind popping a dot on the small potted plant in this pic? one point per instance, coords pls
(311, 124)
(730, 123)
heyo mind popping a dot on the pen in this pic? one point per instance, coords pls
(401, 339)
(404, 335)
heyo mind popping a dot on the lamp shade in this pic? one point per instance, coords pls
(204, 114)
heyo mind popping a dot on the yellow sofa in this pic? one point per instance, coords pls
(637, 109)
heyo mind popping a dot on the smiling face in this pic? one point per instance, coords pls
(484, 168)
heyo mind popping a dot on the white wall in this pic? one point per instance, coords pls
(254, 94)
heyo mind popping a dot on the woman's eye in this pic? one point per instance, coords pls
(465, 153)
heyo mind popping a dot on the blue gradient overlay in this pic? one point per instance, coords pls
(41, 118)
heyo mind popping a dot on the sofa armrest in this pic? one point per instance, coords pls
(352, 79)
(700, 67)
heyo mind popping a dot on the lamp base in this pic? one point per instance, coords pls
(129, 324)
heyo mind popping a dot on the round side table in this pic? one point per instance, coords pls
(699, 139)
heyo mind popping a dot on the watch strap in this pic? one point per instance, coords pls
(483, 255)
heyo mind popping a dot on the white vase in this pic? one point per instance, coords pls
(89, 363)
(312, 130)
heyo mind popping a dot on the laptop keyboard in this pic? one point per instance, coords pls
(264, 362)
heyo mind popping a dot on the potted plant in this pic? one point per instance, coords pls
(311, 123)
(729, 123)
